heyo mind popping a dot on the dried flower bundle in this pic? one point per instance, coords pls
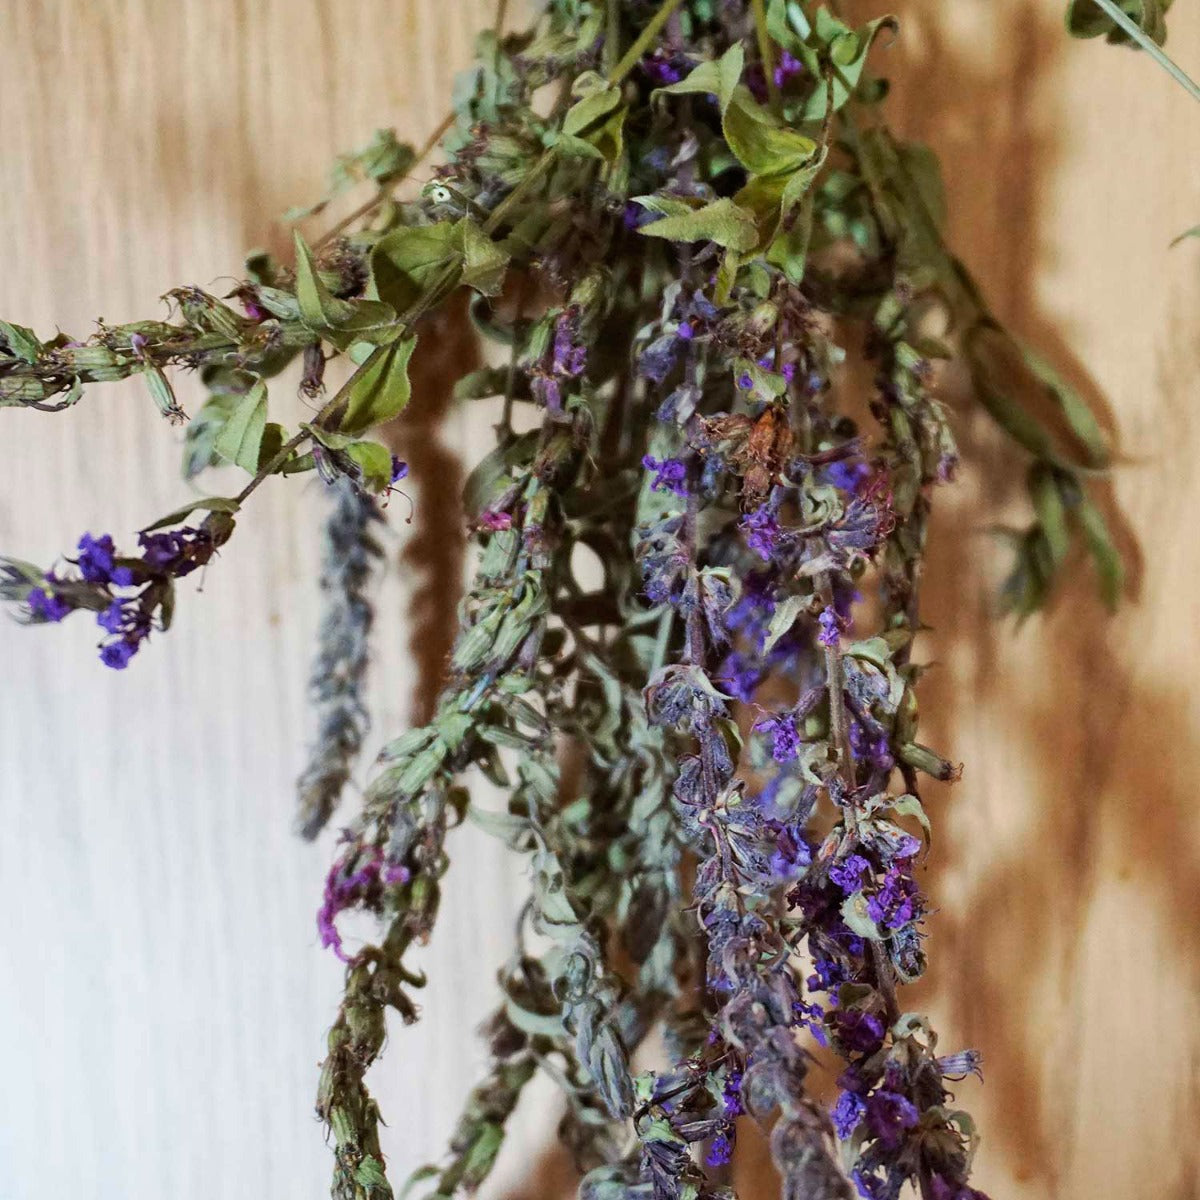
(678, 221)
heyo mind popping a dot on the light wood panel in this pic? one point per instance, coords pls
(165, 999)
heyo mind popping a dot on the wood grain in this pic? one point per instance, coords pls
(164, 997)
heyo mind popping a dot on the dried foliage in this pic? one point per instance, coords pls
(711, 750)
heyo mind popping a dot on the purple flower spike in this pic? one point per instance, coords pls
(399, 469)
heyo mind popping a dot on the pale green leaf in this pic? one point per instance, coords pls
(241, 436)
(319, 308)
(377, 391)
(722, 222)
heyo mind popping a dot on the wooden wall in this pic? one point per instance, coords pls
(164, 998)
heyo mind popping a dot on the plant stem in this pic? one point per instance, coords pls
(644, 41)
(612, 35)
(369, 206)
(1122, 20)
(766, 52)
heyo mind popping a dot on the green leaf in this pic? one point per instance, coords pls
(1046, 493)
(598, 99)
(374, 463)
(224, 504)
(1194, 232)
(319, 308)
(274, 435)
(722, 222)
(763, 145)
(846, 52)
(241, 436)
(987, 347)
(1110, 568)
(406, 261)
(782, 620)
(21, 342)
(484, 262)
(714, 78)
(200, 440)
(909, 805)
(378, 390)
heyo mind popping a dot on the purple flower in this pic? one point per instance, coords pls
(898, 901)
(661, 71)
(848, 474)
(762, 532)
(847, 1113)
(494, 520)
(850, 873)
(112, 619)
(787, 66)
(812, 1018)
(686, 331)
(658, 358)
(635, 216)
(117, 654)
(745, 382)
(830, 628)
(341, 892)
(871, 1186)
(721, 1151)
(175, 552)
(858, 1030)
(791, 853)
(569, 359)
(889, 1116)
(670, 474)
(960, 1065)
(738, 674)
(547, 392)
(95, 559)
(45, 605)
(785, 741)
(871, 747)
(827, 975)
(399, 469)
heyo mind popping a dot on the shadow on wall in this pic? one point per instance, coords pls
(1007, 956)
(1006, 950)
(446, 349)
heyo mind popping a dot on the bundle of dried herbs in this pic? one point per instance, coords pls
(679, 222)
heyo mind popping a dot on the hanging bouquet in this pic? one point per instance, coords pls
(687, 650)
